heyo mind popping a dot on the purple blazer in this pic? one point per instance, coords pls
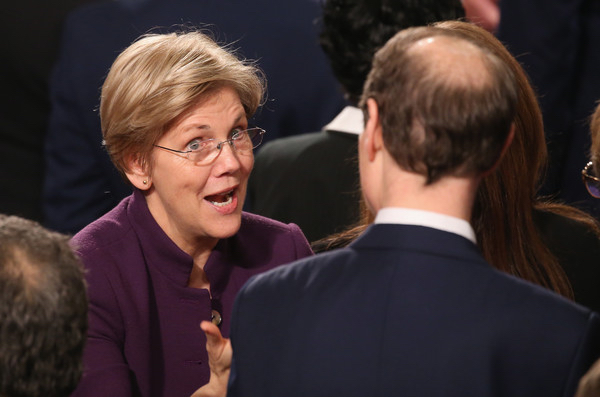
(144, 337)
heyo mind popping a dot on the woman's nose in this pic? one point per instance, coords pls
(227, 161)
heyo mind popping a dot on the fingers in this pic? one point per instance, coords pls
(218, 348)
(589, 385)
(213, 334)
(219, 361)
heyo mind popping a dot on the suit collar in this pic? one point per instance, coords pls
(410, 216)
(349, 120)
(418, 238)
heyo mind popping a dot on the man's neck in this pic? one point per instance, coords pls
(449, 196)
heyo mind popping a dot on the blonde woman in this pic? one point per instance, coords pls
(174, 111)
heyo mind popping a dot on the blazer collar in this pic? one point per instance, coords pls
(418, 238)
(170, 260)
(349, 120)
(410, 216)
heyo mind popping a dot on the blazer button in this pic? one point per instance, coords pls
(216, 318)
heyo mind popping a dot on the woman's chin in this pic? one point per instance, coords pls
(227, 227)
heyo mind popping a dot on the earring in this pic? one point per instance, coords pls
(145, 182)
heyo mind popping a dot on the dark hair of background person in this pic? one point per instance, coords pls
(43, 311)
(507, 202)
(352, 31)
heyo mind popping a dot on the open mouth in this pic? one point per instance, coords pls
(221, 200)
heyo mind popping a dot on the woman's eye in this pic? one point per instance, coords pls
(196, 145)
(235, 133)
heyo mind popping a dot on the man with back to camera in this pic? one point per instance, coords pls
(43, 311)
(321, 167)
(411, 307)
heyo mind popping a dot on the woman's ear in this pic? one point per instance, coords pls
(138, 172)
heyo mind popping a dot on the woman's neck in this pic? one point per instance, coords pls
(198, 277)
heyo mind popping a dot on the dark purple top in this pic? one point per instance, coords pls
(144, 337)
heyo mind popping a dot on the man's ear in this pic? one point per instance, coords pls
(507, 143)
(137, 172)
(372, 135)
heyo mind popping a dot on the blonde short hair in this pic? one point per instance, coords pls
(157, 79)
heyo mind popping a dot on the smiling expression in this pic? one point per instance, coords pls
(196, 205)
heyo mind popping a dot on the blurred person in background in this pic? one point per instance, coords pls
(31, 31)
(557, 43)
(589, 385)
(43, 311)
(484, 13)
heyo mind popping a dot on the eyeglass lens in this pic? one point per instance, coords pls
(592, 186)
(243, 142)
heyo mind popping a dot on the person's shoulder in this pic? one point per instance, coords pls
(556, 227)
(253, 223)
(302, 274)
(262, 231)
(528, 311)
(265, 243)
(106, 231)
(299, 154)
(536, 303)
(573, 241)
(258, 227)
(280, 147)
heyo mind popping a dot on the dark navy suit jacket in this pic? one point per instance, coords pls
(406, 311)
(81, 182)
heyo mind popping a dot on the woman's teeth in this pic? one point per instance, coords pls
(222, 200)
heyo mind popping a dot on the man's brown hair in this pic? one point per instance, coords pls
(444, 112)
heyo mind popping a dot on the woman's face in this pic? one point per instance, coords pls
(196, 205)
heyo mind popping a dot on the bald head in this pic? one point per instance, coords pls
(43, 311)
(446, 105)
(460, 62)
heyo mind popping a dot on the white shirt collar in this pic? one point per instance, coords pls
(349, 120)
(408, 216)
